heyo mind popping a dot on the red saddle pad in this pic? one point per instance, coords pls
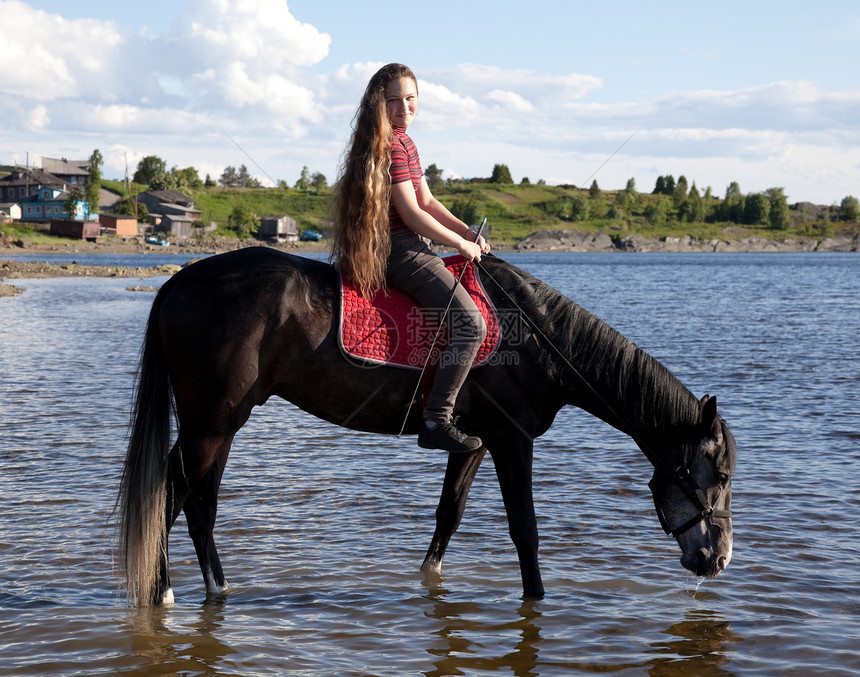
(395, 330)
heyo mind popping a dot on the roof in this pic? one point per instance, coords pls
(32, 177)
(65, 167)
(169, 196)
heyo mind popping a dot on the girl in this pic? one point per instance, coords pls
(385, 217)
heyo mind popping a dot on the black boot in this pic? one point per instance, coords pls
(448, 437)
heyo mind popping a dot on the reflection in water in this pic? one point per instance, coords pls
(171, 647)
(699, 646)
(455, 653)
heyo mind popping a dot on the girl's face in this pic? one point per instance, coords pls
(401, 101)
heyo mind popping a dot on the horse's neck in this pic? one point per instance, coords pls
(624, 386)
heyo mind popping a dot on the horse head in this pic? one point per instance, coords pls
(693, 494)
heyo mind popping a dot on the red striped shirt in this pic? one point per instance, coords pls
(405, 166)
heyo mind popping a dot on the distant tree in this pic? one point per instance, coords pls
(669, 185)
(182, 180)
(657, 211)
(242, 220)
(679, 194)
(149, 169)
(245, 179)
(732, 208)
(849, 209)
(594, 191)
(189, 177)
(659, 186)
(692, 209)
(210, 182)
(229, 177)
(70, 206)
(319, 182)
(501, 174)
(631, 196)
(779, 216)
(579, 208)
(525, 181)
(238, 178)
(304, 182)
(756, 209)
(94, 185)
(129, 206)
(625, 201)
(434, 176)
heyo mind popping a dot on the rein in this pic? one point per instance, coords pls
(679, 476)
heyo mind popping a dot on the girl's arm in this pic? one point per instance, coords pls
(427, 202)
(450, 231)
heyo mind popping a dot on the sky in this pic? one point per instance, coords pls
(763, 93)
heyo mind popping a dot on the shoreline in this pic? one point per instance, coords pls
(556, 241)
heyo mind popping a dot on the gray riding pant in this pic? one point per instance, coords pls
(414, 268)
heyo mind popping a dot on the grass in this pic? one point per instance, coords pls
(308, 209)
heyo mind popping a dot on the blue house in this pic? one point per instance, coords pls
(50, 203)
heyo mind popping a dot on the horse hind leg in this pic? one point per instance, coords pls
(200, 511)
(196, 476)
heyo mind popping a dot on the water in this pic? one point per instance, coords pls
(322, 530)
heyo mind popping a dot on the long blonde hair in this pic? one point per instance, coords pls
(361, 238)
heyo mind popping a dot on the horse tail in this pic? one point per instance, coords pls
(142, 497)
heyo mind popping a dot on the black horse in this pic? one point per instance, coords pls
(228, 332)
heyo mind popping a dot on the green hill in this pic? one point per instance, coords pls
(515, 211)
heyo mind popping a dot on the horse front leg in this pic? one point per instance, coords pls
(514, 470)
(459, 475)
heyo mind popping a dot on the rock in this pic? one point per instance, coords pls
(839, 243)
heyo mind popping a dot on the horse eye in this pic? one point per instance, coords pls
(723, 478)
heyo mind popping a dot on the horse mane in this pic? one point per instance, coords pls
(631, 383)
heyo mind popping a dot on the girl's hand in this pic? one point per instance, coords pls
(471, 251)
(483, 244)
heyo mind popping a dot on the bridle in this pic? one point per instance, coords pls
(679, 476)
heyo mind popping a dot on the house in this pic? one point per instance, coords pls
(21, 184)
(179, 227)
(170, 211)
(279, 228)
(43, 195)
(50, 203)
(75, 174)
(10, 211)
(119, 224)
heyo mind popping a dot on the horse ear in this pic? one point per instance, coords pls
(709, 411)
(709, 414)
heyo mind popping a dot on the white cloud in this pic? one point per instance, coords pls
(37, 118)
(510, 100)
(532, 86)
(46, 56)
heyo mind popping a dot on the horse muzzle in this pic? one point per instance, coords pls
(705, 562)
